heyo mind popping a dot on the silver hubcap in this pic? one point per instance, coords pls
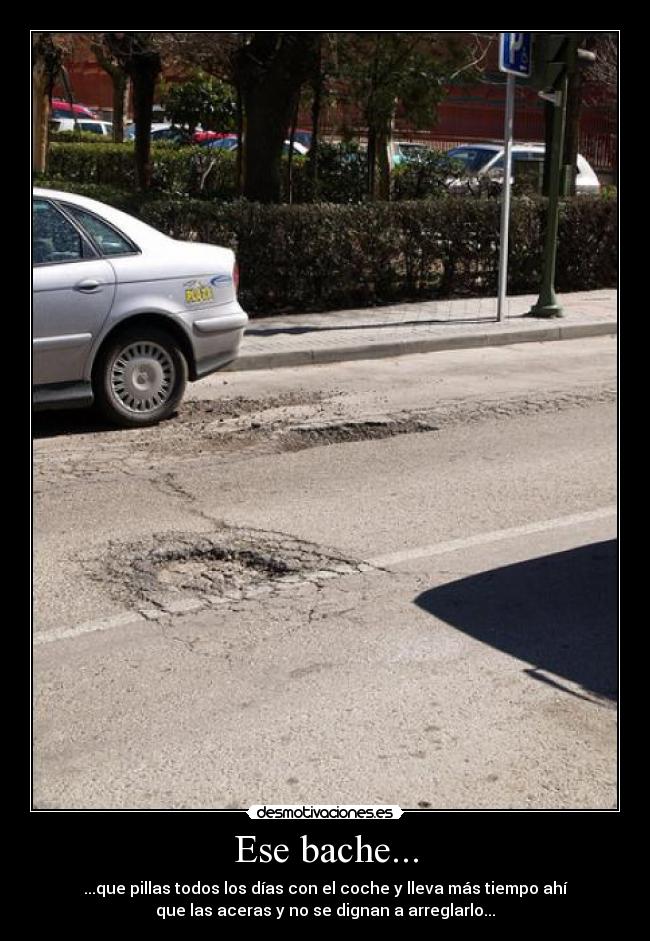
(142, 377)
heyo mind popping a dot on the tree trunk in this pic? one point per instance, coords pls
(383, 164)
(269, 72)
(292, 137)
(46, 65)
(120, 83)
(137, 55)
(40, 116)
(120, 106)
(144, 86)
(372, 162)
(267, 119)
(385, 157)
(317, 86)
(379, 160)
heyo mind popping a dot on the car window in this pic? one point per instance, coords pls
(225, 143)
(92, 127)
(413, 150)
(536, 157)
(54, 238)
(520, 156)
(528, 156)
(106, 238)
(474, 158)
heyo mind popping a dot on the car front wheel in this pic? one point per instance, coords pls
(140, 377)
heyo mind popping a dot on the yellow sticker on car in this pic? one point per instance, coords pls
(196, 292)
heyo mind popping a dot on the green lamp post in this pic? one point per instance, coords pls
(556, 55)
(547, 304)
(552, 53)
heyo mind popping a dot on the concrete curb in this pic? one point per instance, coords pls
(453, 341)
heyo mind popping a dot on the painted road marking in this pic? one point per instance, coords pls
(89, 627)
(395, 558)
(481, 539)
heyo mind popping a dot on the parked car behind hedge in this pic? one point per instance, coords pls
(482, 162)
(63, 109)
(83, 126)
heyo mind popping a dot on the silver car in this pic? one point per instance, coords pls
(123, 315)
(482, 161)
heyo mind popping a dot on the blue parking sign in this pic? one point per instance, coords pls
(515, 54)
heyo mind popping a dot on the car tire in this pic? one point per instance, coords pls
(139, 377)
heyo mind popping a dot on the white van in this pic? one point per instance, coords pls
(89, 125)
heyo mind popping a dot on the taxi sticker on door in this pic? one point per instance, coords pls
(197, 292)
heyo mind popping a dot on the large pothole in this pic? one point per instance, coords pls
(176, 573)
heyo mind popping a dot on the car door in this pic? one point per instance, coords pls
(73, 290)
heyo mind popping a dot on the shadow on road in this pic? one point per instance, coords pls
(69, 421)
(75, 421)
(558, 613)
(261, 331)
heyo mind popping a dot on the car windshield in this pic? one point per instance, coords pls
(225, 143)
(416, 151)
(473, 158)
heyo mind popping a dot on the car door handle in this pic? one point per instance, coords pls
(88, 285)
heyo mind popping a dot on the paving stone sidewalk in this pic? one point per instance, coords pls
(301, 339)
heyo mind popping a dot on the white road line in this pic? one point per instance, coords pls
(407, 555)
(453, 545)
(104, 624)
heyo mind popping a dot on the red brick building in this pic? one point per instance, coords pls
(473, 113)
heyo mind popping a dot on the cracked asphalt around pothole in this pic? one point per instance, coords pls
(255, 601)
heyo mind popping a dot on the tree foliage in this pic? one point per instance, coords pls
(389, 71)
(201, 100)
(383, 75)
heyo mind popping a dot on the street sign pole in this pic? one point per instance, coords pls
(505, 200)
(515, 58)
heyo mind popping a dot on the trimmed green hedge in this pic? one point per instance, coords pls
(320, 257)
(78, 137)
(211, 173)
(176, 171)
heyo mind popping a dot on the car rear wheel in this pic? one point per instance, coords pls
(140, 377)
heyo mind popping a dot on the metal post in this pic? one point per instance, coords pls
(505, 196)
(547, 304)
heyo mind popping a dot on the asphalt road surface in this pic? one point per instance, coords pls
(390, 581)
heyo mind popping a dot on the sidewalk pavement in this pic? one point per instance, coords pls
(302, 339)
